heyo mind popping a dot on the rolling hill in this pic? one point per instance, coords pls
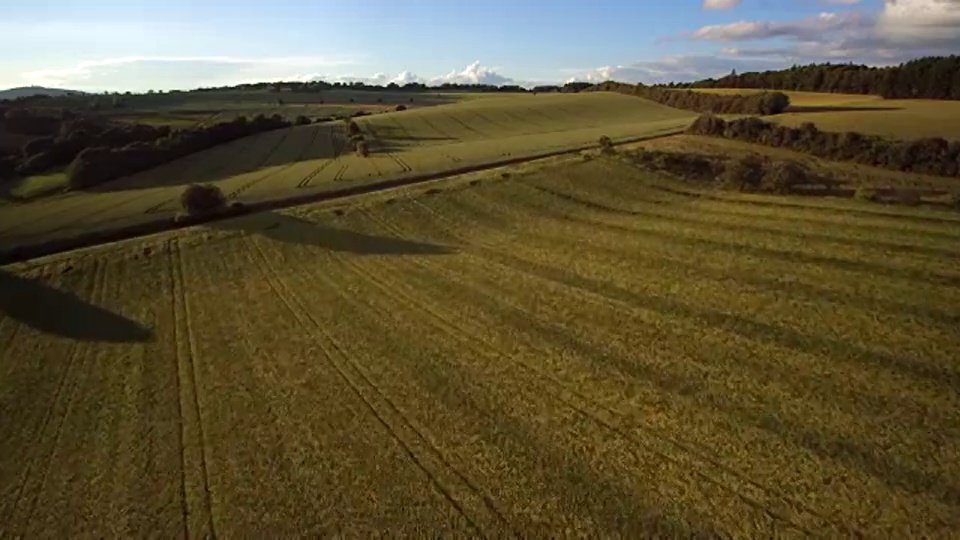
(316, 158)
(26, 91)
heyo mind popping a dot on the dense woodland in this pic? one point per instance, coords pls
(928, 78)
(763, 103)
(932, 155)
(98, 151)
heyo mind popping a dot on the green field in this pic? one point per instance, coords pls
(183, 109)
(314, 158)
(586, 348)
(872, 115)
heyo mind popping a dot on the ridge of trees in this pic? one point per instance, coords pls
(933, 155)
(98, 164)
(931, 77)
(98, 151)
(763, 103)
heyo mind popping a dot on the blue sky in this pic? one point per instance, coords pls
(139, 44)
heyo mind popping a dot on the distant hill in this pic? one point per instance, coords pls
(24, 91)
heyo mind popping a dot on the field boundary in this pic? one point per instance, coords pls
(106, 236)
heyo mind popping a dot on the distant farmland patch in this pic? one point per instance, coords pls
(318, 157)
(871, 115)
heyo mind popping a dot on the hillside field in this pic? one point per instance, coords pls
(584, 348)
(315, 158)
(872, 115)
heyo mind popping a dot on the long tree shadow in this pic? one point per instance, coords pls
(294, 230)
(257, 156)
(35, 304)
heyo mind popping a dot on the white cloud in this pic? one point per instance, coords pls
(720, 4)
(676, 69)
(383, 79)
(162, 73)
(900, 31)
(473, 74)
(805, 29)
(920, 21)
(170, 72)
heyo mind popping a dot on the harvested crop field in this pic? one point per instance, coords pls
(871, 115)
(317, 158)
(582, 349)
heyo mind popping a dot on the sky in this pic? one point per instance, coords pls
(138, 45)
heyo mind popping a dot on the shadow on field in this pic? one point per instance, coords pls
(294, 230)
(260, 156)
(835, 108)
(48, 310)
(395, 133)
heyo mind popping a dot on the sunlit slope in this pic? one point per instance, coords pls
(315, 158)
(585, 348)
(871, 115)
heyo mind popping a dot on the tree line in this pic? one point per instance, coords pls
(933, 155)
(934, 77)
(98, 151)
(763, 103)
(413, 87)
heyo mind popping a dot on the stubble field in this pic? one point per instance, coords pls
(316, 158)
(582, 349)
(871, 115)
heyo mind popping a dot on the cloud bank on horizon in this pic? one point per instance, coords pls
(878, 32)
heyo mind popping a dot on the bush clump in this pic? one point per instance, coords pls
(932, 155)
(400, 107)
(783, 176)
(202, 200)
(606, 145)
(867, 194)
(744, 174)
(102, 162)
(707, 124)
(362, 148)
(353, 128)
(763, 103)
(302, 120)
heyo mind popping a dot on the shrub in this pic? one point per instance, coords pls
(363, 150)
(866, 194)
(707, 124)
(401, 107)
(783, 176)
(101, 163)
(302, 120)
(773, 102)
(745, 173)
(353, 128)
(606, 145)
(202, 199)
